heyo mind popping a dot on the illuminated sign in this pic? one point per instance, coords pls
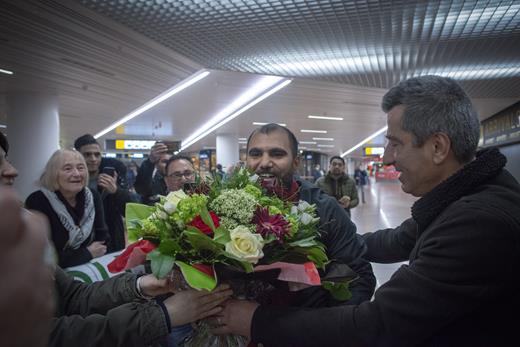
(374, 150)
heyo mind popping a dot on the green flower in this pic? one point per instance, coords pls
(254, 191)
(189, 208)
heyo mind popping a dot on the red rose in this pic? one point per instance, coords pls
(199, 224)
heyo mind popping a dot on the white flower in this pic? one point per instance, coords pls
(161, 215)
(253, 178)
(303, 205)
(245, 245)
(172, 199)
(306, 218)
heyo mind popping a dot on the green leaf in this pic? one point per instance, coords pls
(317, 255)
(206, 218)
(134, 213)
(306, 242)
(247, 266)
(161, 264)
(195, 278)
(169, 247)
(221, 236)
(199, 240)
(339, 290)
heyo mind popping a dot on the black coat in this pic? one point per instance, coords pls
(59, 235)
(149, 185)
(462, 284)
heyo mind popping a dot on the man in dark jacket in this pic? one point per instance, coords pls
(150, 177)
(338, 185)
(108, 176)
(461, 287)
(273, 154)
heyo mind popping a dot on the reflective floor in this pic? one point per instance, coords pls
(386, 206)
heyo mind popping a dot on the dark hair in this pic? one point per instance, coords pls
(436, 104)
(84, 140)
(271, 127)
(175, 158)
(337, 157)
(3, 143)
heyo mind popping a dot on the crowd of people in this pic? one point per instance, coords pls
(462, 243)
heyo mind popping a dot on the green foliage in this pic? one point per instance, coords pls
(161, 264)
(221, 236)
(195, 278)
(339, 290)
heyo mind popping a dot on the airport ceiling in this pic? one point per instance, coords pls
(104, 58)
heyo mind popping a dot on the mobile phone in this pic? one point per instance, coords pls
(173, 146)
(109, 170)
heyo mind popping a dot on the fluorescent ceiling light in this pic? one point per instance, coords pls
(323, 138)
(267, 85)
(326, 146)
(262, 123)
(314, 131)
(308, 142)
(157, 100)
(242, 139)
(380, 131)
(243, 142)
(3, 126)
(6, 72)
(323, 117)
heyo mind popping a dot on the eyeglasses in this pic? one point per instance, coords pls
(180, 175)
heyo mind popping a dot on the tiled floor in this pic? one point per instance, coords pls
(386, 207)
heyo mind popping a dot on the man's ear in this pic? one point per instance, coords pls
(441, 145)
(296, 162)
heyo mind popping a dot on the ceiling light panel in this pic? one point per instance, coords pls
(313, 131)
(372, 43)
(323, 138)
(324, 117)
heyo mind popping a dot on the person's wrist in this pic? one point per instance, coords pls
(139, 288)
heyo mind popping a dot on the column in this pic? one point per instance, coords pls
(227, 150)
(33, 130)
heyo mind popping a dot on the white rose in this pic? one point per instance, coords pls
(303, 205)
(162, 215)
(245, 245)
(172, 200)
(306, 218)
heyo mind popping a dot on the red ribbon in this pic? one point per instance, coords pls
(133, 255)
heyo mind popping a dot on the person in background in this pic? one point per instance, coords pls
(25, 304)
(461, 285)
(150, 180)
(119, 311)
(338, 185)
(361, 177)
(131, 174)
(179, 170)
(317, 172)
(75, 212)
(108, 177)
(220, 172)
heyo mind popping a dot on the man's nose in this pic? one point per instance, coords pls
(10, 171)
(389, 156)
(266, 161)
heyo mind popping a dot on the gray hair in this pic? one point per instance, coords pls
(435, 104)
(49, 178)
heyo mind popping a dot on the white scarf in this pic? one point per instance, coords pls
(77, 234)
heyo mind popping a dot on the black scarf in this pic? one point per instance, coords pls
(487, 164)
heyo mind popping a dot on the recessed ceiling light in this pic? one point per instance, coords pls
(324, 117)
(242, 139)
(308, 142)
(323, 138)
(157, 100)
(262, 123)
(380, 131)
(314, 131)
(326, 146)
(6, 72)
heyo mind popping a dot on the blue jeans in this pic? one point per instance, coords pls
(177, 336)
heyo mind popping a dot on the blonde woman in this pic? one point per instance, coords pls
(75, 213)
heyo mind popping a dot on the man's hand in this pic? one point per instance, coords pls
(158, 149)
(191, 305)
(26, 303)
(97, 249)
(151, 286)
(235, 318)
(344, 201)
(108, 183)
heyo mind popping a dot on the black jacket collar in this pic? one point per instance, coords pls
(487, 164)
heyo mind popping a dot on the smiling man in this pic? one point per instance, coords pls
(272, 154)
(461, 287)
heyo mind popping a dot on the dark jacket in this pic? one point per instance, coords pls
(60, 236)
(461, 287)
(339, 187)
(115, 204)
(149, 185)
(106, 313)
(338, 234)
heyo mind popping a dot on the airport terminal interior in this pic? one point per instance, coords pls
(202, 75)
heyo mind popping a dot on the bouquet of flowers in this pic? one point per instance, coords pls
(236, 226)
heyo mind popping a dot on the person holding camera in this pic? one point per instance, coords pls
(108, 177)
(75, 212)
(150, 177)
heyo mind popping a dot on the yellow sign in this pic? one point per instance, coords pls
(120, 129)
(120, 144)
